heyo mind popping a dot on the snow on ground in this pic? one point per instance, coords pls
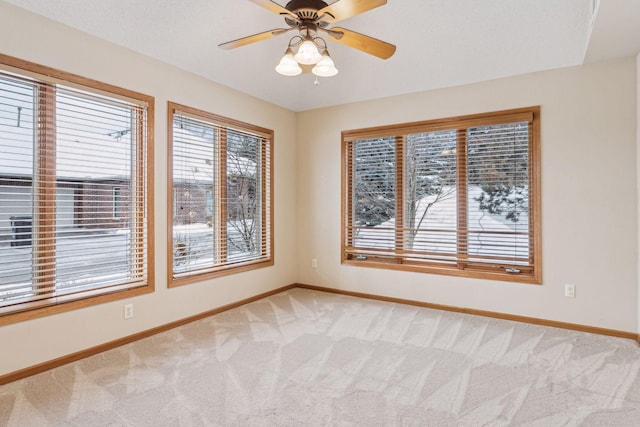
(87, 256)
(438, 230)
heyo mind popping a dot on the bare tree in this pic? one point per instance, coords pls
(430, 170)
(243, 193)
(199, 187)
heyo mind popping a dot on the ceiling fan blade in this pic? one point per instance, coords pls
(254, 38)
(343, 9)
(361, 42)
(275, 8)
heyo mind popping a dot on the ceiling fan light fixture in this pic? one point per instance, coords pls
(325, 67)
(288, 65)
(308, 53)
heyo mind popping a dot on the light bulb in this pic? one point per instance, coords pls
(308, 53)
(288, 65)
(325, 67)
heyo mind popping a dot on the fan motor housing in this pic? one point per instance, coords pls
(306, 9)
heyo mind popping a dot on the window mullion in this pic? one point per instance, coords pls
(535, 249)
(348, 166)
(262, 188)
(223, 253)
(44, 223)
(400, 195)
(462, 201)
(137, 192)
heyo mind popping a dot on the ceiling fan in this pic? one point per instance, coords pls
(310, 17)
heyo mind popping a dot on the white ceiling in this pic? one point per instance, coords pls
(440, 43)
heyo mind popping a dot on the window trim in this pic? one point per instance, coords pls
(530, 114)
(267, 208)
(58, 304)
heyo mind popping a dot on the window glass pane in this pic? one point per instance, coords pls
(374, 198)
(117, 202)
(93, 165)
(194, 177)
(243, 196)
(430, 195)
(498, 193)
(17, 142)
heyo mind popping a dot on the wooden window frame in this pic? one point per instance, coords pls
(43, 264)
(461, 124)
(220, 208)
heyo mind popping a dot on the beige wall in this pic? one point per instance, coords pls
(589, 209)
(638, 174)
(35, 39)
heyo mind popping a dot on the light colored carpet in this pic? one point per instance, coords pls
(312, 358)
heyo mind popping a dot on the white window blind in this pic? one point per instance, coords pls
(498, 196)
(430, 217)
(221, 182)
(374, 201)
(455, 196)
(67, 154)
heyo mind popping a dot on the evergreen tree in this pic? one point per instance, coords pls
(498, 164)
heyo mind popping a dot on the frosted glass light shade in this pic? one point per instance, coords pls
(288, 65)
(325, 67)
(308, 53)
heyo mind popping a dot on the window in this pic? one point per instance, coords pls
(456, 196)
(117, 202)
(66, 145)
(220, 179)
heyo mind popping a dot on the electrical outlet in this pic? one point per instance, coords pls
(314, 263)
(569, 290)
(128, 311)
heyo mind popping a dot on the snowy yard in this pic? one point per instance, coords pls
(86, 256)
(491, 235)
(199, 247)
(82, 258)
